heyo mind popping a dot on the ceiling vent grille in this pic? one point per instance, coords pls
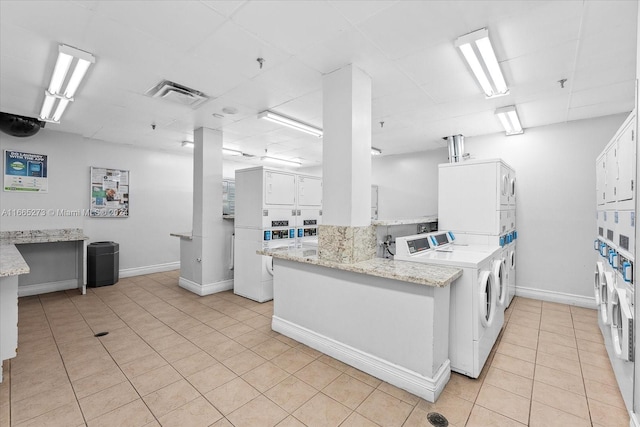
(178, 94)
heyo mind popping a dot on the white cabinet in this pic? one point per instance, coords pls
(601, 179)
(626, 155)
(279, 188)
(309, 191)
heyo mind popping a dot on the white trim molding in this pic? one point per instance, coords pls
(559, 297)
(207, 289)
(427, 388)
(43, 288)
(148, 269)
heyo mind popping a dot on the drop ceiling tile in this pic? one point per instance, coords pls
(552, 64)
(401, 102)
(180, 24)
(618, 92)
(602, 16)
(291, 26)
(258, 95)
(292, 78)
(544, 112)
(602, 73)
(307, 108)
(236, 49)
(601, 109)
(607, 47)
(225, 7)
(357, 10)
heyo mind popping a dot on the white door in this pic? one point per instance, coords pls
(499, 272)
(488, 294)
(611, 172)
(601, 179)
(309, 191)
(280, 188)
(626, 158)
(621, 326)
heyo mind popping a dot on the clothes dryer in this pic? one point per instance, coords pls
(475, 318)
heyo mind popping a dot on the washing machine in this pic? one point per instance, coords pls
(475, 316)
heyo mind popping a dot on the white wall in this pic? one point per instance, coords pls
(160, 203)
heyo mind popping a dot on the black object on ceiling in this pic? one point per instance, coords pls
(20, 126)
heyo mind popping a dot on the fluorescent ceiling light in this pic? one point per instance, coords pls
(479, 54)
(231, 152)
(58, 95)
(289, 122)
(509, 118)
(281, 161)
(375, 151)
(187, 144)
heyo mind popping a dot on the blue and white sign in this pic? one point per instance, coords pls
(26, 172)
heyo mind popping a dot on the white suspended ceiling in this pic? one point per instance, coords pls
(422, 89)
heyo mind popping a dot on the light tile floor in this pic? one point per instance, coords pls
(172, 358)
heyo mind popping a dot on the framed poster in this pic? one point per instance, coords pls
(25, 172)
(109, 193)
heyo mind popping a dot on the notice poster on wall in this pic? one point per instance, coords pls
(109, 193)
(25, 172)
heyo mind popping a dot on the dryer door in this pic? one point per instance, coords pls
(606, 287)
(622, 326)
(268, 264)
(487, 298)
(597, 280)
(499, 272)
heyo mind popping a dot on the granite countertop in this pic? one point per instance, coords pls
(228, 216)
(387, 222)
(11, 261)
(405, 271)
(42, 236)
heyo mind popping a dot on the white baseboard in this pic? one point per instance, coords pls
(43, 288)
(148, 269)
(208, 289)
(427, 388)
(559, 297)
(633, 420)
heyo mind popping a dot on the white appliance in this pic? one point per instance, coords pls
(477, 201)
(615, 243)
(273, 209)
(475, 317)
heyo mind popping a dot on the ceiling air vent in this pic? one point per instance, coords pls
(178, 94)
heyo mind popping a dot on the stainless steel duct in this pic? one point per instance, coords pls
(456, 147)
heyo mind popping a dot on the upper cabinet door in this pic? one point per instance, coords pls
(309, 191)
(280, 188)
(626, 163)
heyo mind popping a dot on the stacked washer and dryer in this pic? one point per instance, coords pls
(614, 282)
(274, 209)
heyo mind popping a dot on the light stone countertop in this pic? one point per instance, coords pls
(42, 236)
(388, 222)
(185, 235)
(11, 261)
(404, 271)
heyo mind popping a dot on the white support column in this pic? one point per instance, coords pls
(346, 234)
(205, 260)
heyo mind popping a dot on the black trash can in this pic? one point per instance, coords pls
(103, 263)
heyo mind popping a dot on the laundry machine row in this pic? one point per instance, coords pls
(614, 281)
(478, 297)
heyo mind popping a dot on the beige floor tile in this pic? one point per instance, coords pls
(292, 360)
(558, 398)
(67, 415)
(602, 375)
(546, 416)
(232, 395)
(559, 318)
(553, 326)
(560, 379)
(419, 418)
(608, 415)
(222, 422)
(604, 393)
(171, 397)
(594, 359)
(454, 408)
(526, 319)
(503, 402)
(519, 352)
(196, 413)
(592, 347)
(463, 387)
(385, 409)
(222, 322)
(363, 376)
(546, 305)
(211, 378)
(593, 336)
(334, 363)
(38, 404)
(569, 366)
(349, 391)
(226, 350)
(547, 337)
(107, 400)
(558, 350)
(310, 351)
(291, 393)
(155, 379)
(179, 351)
(265, 376)
(258, 321)
(357, 420)
(258, 412)
(513, 365)
(209, 341)
(322, 411)
(583, 311)
(584, 324)
(270, 348)
(318, 374)
(133, 352)
(194, 363)
(252, 339)
(24, 386)
(236, 330)
(243, 362)
(288, 341)
(527, 308)
(511, 382)
(401, 394)
(98, 382)
(143, 364)
(482, 417)
(132, 414)
(290, 421)
(519, 340)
